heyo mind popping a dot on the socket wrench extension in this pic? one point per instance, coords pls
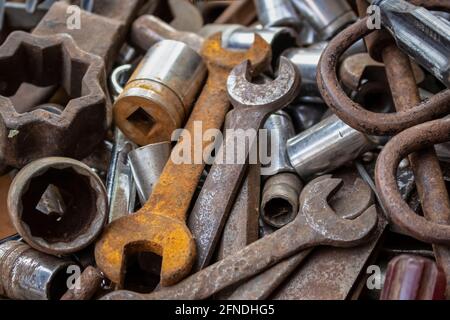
(27, 274)
(421, 34)
(325, 16)
(327, 146)
(277, 13)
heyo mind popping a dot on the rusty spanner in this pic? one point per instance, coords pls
(316, 225)
(253, 103)
(160, 226)
(411, 140)
(353, 113)
(349, 202)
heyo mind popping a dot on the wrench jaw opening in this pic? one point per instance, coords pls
(167, 238)
(264, 97)
(336, 231)
(259, 53)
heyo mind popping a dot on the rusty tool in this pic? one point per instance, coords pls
(75, 130)
(425, 164)
(241, 228)
(349, 201)
(411, 140)
(89, 283)
(25, 15)
(353, 113)
(110, 23)
(58, 205)
(81, 120)
(158, 97)
(413, 278)
(316, 225)
(159, 227)
(148, 30)
(6, 227)
(253, 103)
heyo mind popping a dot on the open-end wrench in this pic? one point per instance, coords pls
(160, 226)
(349, 202)
(316, 225)
(253, 103)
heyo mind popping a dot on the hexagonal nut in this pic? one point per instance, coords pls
(51, 61)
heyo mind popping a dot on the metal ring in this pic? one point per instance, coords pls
(405, 143)
(354, 114)
(118, 78)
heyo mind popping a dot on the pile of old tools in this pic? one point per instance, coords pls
(246, 149)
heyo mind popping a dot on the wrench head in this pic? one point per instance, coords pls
(337, 231)
(260, 54)
(268, 96)
(166, 237)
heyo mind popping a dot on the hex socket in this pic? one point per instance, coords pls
(325, 16)
(280, 128)
(277, 13)
(327, 146)
(27, 274)
(280, 199)
(58, 205)
(158, 97)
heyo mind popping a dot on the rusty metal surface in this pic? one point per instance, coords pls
(330, 274)
(110, 26)
(430, 182)
(354, 114)
(241, 228)
(89, 283)
(58, 205)
(405, 143)
(350, 201)
(6, 227)
(253, 103)
(39, 133)
(360, 66)
(317, 225)
(160, 225)
(148, 30)
(413, 278)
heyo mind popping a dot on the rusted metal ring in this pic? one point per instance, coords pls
(62, 221)
(353, 113)
(405, 143)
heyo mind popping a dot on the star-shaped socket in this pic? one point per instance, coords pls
(72, 130)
